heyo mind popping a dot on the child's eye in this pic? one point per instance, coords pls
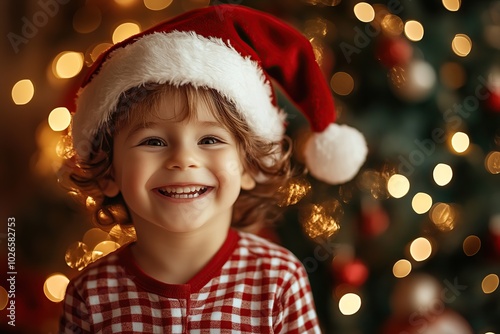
(153, 142)
(209, 141)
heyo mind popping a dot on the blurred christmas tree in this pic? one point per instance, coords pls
(417, 245)
(412, 245)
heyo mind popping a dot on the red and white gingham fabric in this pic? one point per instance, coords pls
(250, 286)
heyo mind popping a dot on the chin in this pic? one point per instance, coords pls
(180, 228)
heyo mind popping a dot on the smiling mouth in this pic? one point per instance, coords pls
(183, 192)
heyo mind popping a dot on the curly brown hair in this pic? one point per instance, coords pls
(268, 162)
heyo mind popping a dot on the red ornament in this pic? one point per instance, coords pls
(354, 273)
(394, 51)
(374, 221)
(493, 100)
(495, 240)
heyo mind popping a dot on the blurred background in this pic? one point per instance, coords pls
(411, 245)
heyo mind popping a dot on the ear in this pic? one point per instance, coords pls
(108, 186)
(247, 181)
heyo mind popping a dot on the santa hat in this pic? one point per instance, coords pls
(236, 51)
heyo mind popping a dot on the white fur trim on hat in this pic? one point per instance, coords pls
(177, 58)
(336, 154)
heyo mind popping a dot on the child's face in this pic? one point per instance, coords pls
(181, 175)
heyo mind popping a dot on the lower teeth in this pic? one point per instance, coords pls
(185, 195)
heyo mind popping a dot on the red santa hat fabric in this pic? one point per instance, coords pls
(236, 51)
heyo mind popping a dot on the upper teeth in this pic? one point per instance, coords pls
(183, 190)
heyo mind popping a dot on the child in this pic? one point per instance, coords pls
(177, 133)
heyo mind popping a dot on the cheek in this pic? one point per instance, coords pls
(134, 185)
(229, 171)
(133, 176)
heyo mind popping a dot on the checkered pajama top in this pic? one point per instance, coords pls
(250, 286)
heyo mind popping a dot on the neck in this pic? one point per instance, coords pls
(175, 258)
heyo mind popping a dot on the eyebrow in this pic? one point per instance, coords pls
(140, 126)
(212, 124)
(144, 125)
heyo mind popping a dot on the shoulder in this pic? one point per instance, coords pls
(255, 247)
(99, 273)
(273, 265)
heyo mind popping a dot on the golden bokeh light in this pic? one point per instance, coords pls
(401, 268)
(317, 28)
(46, 161)
(77, 255)
(392, 25)
(490, 283)
(157, 4)
(420, 249)
(4, 299)
(67, 64)
(471, 245)
(460, 142)
(22, 92)
(64, 148)
(55, 287)
(104, 248)
(442, 174)
(452, 5)
(98, 49)
(461, 45)
(381, 11)
(375, 182)
(398, 185)
(317, 223)
(452, 75)
(125, 3)
(124, 31)
(59, 119)
(318, 50)
(293, 191)
(492, 162)
(364, 12)
(94, 236)
(349, 304)
(342, 83)
(421, 203)
(443, 216)
(122, 235)
(414, 30)
(398, 76)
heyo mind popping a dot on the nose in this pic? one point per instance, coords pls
(182, 157)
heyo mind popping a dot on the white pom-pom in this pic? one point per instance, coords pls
(336, 154)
